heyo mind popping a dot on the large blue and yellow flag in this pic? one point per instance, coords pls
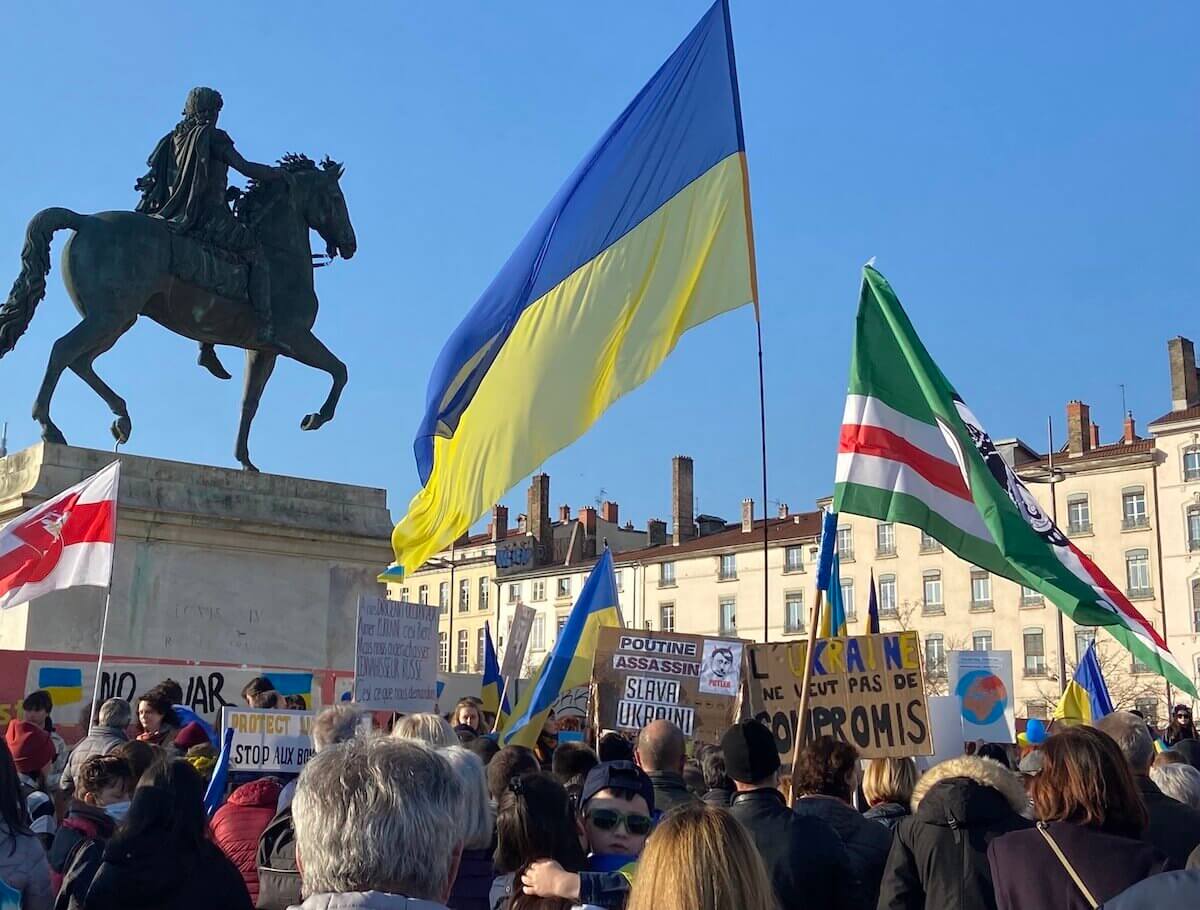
(493, 682)
(1086, 698)
(833, 616)
(570, 663)
(649, 237)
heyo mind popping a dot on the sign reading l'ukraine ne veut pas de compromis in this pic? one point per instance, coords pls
(395, 658)
(266, 740)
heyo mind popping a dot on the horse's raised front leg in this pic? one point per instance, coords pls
(90, 338)
(259, 366)
(305, 347)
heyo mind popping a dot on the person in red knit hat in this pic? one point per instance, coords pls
(33, 753)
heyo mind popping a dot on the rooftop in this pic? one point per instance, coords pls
(1178, 416)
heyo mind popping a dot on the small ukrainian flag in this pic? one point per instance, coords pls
(65, 684)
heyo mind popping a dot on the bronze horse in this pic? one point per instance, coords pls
(118, 266)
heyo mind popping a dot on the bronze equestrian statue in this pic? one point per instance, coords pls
(197, 264)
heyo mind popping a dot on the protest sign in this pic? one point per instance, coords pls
(982, 681)
(269, 740)
(395, 657)
(518, 641)
(946, 721)
(866, 690)
(692, 681)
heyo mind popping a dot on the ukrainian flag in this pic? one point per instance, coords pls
(833, 617)
(1086, 698)
(493, 682)
(649, 237)
(570, 663)
(65, 684)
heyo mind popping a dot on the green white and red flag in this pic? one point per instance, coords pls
(912, 452)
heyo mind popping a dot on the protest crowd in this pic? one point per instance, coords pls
(435, 813)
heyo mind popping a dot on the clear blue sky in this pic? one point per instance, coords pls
(1026, 178)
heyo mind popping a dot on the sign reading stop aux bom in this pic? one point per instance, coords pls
(269, 741)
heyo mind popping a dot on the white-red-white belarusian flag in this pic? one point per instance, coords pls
(64, 542)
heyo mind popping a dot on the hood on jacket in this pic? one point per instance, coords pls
(366, 900)
(262, 793)
(968, 789)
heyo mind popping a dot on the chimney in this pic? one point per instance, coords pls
(499, 527)
(747, 516)
(587, 518)
(539, 509)
(1079, 434)
(1185, 387)
(682, 497)
(564, 513)
(1130, 429)
(1095, 435)
(783, 510)
(656, 532)
(609, 512)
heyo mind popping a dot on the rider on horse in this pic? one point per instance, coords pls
(188, 187)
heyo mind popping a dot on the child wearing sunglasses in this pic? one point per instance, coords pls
(616, 815)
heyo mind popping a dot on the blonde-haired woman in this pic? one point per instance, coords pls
(701, 858)
(427, 728)
(888, 785)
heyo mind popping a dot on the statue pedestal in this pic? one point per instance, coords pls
(213, 566)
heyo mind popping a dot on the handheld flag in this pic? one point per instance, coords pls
(872, 609)
(649, 237)
(215, 794)
(911, 451)
(1086, 699)
(66, 541)
(570, 663)
(493, 682)
(828, 548)
(833, 617)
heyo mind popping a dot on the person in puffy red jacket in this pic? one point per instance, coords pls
(240, 822)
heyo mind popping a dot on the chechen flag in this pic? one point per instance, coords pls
(64, 542)
(912, 452)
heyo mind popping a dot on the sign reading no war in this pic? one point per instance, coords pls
(269, 740)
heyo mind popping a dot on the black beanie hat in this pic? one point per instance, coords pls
(750, 752)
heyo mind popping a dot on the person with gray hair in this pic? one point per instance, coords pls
(1174, 828)
(335, 724)
(478, 823)
(109, 732)
(427, 728)
(374, 826)
(1179, 781)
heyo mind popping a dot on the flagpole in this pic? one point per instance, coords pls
(94, 713)
(801, 717)
(762, 420)
(1062, 640)
(500, 707)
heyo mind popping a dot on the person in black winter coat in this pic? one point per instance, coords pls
(807, 864)
(718, 788)
(939, 854)
(161, 857)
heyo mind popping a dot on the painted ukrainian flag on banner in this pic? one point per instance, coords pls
(570, 662)
(649, 237)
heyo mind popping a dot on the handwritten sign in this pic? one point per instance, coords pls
(269, 740)
(692, 681)
(395, 659)
(982, 681)
(866, 690)
(518, 640)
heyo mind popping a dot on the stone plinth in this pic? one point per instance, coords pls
(211, 564)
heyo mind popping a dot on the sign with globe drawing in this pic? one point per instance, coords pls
(982, 681)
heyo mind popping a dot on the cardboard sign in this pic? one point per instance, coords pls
(396, 656)
(269, 740)
(518, 640)
(982, 681)
(946, 720)
(692, 681)
(866, 690)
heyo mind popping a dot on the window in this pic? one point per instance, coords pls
(848, 600)
(562, 587)
(793, 612)
(444, 652)
(887, 595)
(666, 617)
(539, 590)
(1133, 508)
(1139, 666)
(885, 539)
(1191, 464)
(981, 641)
(793, 559)
(423, 594)
(935, 655)
(480, 647)
(485, 584)
(620, 574)
(1148, 708)
(1037, 708)
(666, 575)
(444, 596)
(1196, 606)
(1030, 597)
(1083, 641)
(464, 595)
(932, 602)
(1079, 514)
(728, 616)
(1035, 652)
(404, 595)
(1193, 528)
(537, 634)
(728, 568)
(562, 621)
(460, 656)
(514, 593)
(981, 590)
(929, 544)
(1137, 574)
(845, 544)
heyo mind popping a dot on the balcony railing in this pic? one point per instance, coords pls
(1139, 592)
(1079, 527)
(793, 627)
(981, 606)
(1133, 522)
(1035, 669)
(887, 549)
(933, 609)
(846, 555)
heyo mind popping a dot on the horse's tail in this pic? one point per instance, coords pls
(30, 287)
